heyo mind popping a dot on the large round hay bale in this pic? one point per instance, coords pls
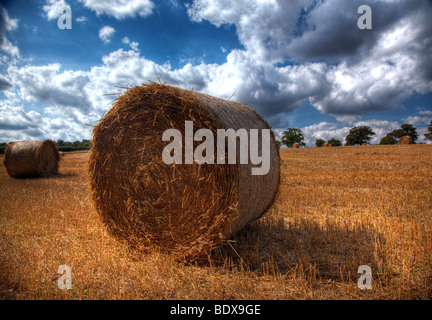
(32, 159)
(406, 140)
(184, 209)
(296, 145)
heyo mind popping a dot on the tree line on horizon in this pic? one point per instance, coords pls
(357, 136)
(61, 145)
(73, 146)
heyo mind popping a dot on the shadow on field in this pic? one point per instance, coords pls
(64, 176)
(57, 176)
(333, 252)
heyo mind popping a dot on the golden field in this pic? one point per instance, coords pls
(337, 209)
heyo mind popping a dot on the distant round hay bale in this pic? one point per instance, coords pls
(326, 145)
(61, 153)
(183, 209)
(406, 140)
(32, 159)
(364, 144)
(296, 145)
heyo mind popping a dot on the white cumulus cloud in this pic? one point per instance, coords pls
(361, 71)
(120, 9)
(7, 24)
(293, 51)
(54, 8)
(132, 44)
(81, 19)
(105, 33)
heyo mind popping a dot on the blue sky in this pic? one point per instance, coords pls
(165, 35)
(302, 64)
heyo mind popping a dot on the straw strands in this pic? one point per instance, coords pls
(406, 140)
(184, 209)
(32, 159)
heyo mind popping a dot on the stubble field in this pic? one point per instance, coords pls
(337, 209)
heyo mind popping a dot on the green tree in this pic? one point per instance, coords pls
(359, 135)
(2, 147)
(388, 139)
(334, 142)
(291, 136)
(86, 144)
(60, 143)
(319, 142)
(428, 136)
(406, 130)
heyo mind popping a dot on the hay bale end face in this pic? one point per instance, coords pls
(183, 209)
(296, 145)
(406, 140)
(32, 159)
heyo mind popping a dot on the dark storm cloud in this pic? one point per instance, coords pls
(3, 24)
(53, 87)
(339, 68)
(332, 33)
(373, 69)
(9, 126)
(4, 83)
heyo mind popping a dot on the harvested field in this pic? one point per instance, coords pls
(337, 208)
